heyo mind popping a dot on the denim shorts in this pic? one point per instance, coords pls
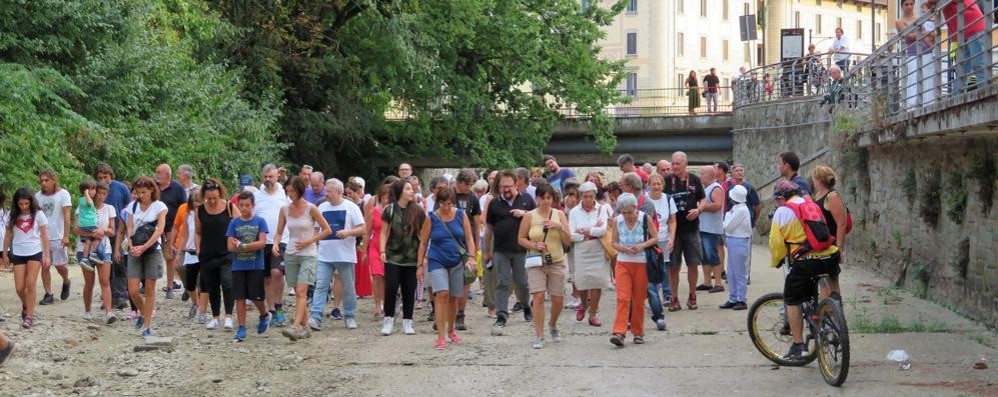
(709, 242)
(449, 279)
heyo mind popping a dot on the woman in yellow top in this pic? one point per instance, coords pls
(544, 233)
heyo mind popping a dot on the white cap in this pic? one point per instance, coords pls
(587, 187)
(738, 194)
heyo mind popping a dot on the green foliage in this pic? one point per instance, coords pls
(909, 186)
(929, 199)
(956, 197)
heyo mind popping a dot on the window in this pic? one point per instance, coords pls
(859, 8)
(838, 22)
(632, 43)
(632, 6)
(679, 44)
(746, 52)
(703, 8)
(746, 10)
(724, 49)
(817, 23)
(703, 47)
(679, 6)
(796, 19)
(877, 32)
(681, 81)
(724, 10)
(632, 84)
(859, 29)
(726, 82)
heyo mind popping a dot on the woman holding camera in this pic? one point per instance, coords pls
(544, 233)
(146, 221)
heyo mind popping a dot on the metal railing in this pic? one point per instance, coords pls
(805, 76)
(663, 102)
(924, 64)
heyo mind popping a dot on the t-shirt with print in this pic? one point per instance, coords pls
(148, 216)
(557, 179)
(687, 195)
(86, 214)
(27, 239)
(344, 216)
(247, 231)
(402, 248)
(468, 203)
(104, 216)
(52, 206)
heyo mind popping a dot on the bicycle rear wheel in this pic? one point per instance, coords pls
(767, 329)
(833, 343)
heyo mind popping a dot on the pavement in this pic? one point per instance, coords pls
(704, 352)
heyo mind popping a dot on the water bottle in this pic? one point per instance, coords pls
(900, 357)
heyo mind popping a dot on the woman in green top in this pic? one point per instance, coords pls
(399, 247)
(544, 233)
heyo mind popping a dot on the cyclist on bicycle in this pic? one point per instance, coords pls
(801, 281)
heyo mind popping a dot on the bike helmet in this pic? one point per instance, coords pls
(785, 189)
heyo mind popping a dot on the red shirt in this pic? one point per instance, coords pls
(973, 19)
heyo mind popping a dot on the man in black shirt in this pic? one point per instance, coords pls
(503, 223)
(467, 201)
(687, 191)
(173, 195)
(713, 84)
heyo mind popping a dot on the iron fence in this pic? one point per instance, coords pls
(664, 102)
(803, 77)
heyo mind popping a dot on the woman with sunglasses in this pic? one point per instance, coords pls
(544, 234)
(210, 226)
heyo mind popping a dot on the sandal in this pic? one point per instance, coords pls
(639, 340)
(691, 303)
(617, 340)
(674, 305)
(580, 314)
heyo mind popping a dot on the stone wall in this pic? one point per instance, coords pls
(905, 199)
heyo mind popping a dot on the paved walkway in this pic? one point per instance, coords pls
(705, 352)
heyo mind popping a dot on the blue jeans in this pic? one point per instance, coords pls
(323, 277)
(973, 62)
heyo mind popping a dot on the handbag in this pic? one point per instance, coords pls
(461, 250)
(538, 259)
(607, 241)
(143, 234)
(654, 260)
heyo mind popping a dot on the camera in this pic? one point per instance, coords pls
(548, 260)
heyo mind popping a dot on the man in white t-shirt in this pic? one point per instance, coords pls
(56, 203)
(269, 199)
(840, 47)
(337, 253)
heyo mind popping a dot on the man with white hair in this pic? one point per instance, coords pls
(711, 230)
(173, 195)
(185, 173)
(664, 168)
(687, 191)
(337, 254)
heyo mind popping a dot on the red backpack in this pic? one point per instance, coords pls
(819, 238)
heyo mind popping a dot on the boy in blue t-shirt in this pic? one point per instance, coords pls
(247, 236)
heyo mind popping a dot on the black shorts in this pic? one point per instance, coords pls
(687, 245)
(247, 284)
(23, 260)
(271, 262)
(801, 283)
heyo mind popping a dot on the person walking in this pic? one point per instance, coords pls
(688, 194)
(146, 223)
(665, 212)
(270, 199)
(507, 256)
(398, 246)
(738, 235)
(370, 254)
(56, 203)
(446, 241)
(588, 222)
(337, 254)
(210, 226)
(693, 92)
(544, 233)
(105, 215)
(633, 231)
(247, 235)
(28, 242)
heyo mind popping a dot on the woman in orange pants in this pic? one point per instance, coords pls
(633, 231)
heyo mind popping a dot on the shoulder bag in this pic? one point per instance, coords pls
(654, 259)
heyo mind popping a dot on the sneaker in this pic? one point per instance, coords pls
(120, 303)
(85, 265)
(407, 327)
(304, 333)
(147, 333)
(264, 323)
(441, 344)
(184, 297)
(291, 333)
(28, 322)
(65, 292)
(639, 340)
(213, 324)
(387, 325)
(203, 318)
(454, 338)
(110, 319)
(47, 300)
(228, 324)
(660, 324)
(538, 343)
(740, 306)
(94, 258)
(240, 334)
(419, 305)
(169, 294)
(527, 315)
(555, 335)
(573, 304)
(459, 324)
(703, 287)
(593, 321)
(728, 305)
(517, 306)
(193, 312)
(498, 326)
(131, 315)
(87, 316)
(139, 321)
(314, 325)
(351, 323)
(796, 352)
(176, 285)
(335, 314)
(291, 292)
(6, 353)
(716, 289)
(432, 316)
(724, 275)
(617, 340)
(278, 318)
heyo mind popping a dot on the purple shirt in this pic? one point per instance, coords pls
(313, 196)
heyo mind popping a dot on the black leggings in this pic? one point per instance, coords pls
(191, 276)
(216, 280)
(406, 277)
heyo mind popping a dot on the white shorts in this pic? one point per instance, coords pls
(57, 253)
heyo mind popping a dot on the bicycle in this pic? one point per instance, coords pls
(826, 334)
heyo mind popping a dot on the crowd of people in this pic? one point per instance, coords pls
(553, 240)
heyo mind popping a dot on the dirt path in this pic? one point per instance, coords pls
(704, 351)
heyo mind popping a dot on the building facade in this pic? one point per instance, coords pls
(819, 18)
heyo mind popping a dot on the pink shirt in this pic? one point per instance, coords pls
(973, 19)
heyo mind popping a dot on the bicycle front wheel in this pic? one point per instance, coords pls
(768, 329)
(833, 343)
